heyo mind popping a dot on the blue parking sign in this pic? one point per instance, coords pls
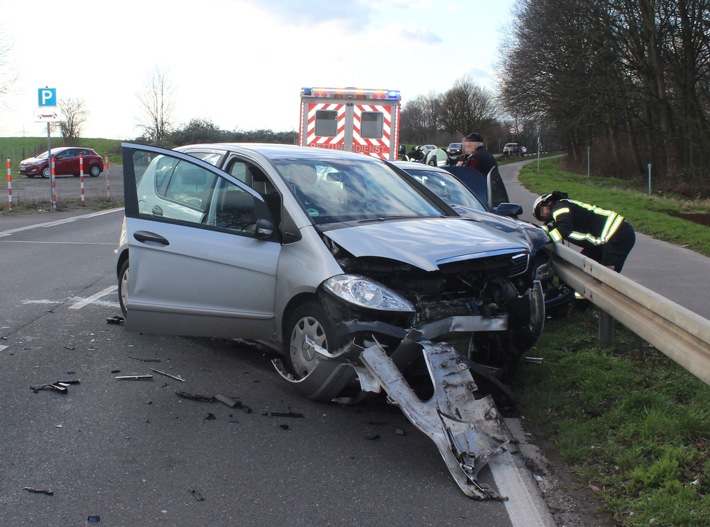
(47, 96)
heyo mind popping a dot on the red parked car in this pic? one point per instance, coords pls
(66, 161)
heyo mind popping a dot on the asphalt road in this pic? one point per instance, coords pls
(133, 452)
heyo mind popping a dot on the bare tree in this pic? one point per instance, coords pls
(7, 76)
(73, 118)
(420, 118)
(467, 107)
(157, 106)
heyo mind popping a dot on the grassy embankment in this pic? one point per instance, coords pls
(633, 426)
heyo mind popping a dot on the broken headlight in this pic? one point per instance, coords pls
(366, 293)
(544, 271)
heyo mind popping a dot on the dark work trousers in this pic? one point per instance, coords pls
(614, 252)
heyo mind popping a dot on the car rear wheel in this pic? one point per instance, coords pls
(95, 171)
(123, 288)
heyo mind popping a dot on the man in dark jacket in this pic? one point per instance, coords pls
(475, 154)
(605, 236)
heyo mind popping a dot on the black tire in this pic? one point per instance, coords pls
(308, 319)
(123, 287)
(94, 171)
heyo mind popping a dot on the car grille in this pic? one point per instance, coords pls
(501, 263)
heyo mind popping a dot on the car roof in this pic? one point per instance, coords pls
(280, 151)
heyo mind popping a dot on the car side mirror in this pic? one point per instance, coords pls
(508, 209)
(264, 229)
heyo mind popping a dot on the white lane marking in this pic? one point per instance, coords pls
(103, 303)
(58, 222)
(93, 298)
(80, 302)
(3, 347)
(525, 506)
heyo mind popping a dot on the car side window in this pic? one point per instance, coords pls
(231, 208)
(188, 185)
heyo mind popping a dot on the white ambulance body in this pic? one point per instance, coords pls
(352, 119)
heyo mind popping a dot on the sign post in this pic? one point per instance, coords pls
(47, 101)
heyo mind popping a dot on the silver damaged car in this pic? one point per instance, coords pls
(311, 251)
(361, 278)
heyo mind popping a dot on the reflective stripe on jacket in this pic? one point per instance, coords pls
(582, 224)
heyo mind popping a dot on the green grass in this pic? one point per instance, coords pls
(632, 424)
(652, 215)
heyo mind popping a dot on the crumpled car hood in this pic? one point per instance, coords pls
(424, 242)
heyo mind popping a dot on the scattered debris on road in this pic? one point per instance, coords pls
(58, 386)
(39, 491)
(196, 494)
(196, 397)
(283, 414)
(139, 377)
(177, 378)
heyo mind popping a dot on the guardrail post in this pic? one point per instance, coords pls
(606, 324)
(606, 329)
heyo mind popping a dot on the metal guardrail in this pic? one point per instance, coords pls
(681, 334)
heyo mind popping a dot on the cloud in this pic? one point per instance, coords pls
(416, 34)
(353, 14)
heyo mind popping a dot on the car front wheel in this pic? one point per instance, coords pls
(46, 172)
(309, 321)
(123, 287)
(315, 376)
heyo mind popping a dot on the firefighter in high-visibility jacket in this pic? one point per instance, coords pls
(604, 235)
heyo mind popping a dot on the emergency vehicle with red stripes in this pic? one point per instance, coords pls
(351, 119)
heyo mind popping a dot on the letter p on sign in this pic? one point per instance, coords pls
(47, 96)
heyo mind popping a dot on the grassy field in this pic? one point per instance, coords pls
(634, 426)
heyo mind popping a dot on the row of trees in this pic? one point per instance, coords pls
(441, 118)
(628, 78)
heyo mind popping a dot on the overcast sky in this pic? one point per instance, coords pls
(238, 63)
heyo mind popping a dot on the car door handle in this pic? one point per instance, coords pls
(147, 237)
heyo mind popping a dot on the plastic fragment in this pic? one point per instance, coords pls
(196, 494)
(57, 387)
(284, 414)
(39, 491)
(143, 377)
(196, 397)
(144, 360)
(226, 400)
(115, 320)
(177, 378)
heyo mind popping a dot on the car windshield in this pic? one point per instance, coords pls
(337, 190)
(448, 188)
